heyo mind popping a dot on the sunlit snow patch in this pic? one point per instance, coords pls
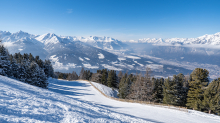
(149, 62)
(111, 67)
(133, 57)
(139, 63)
(81, 59)
(121, 59)
(101, 56)
(89, 66)
(155, 67)
(86, 58)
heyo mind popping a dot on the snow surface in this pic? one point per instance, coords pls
(78, 101)
(82, 90)
(106, 90)
(20, 102)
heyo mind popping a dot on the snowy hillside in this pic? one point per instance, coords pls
(83, 91)
(106, 90)
(20, 102)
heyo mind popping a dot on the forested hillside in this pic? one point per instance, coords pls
(26, 68)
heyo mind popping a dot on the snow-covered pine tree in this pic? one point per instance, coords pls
(4, 61)
(42, 79)
(34, 68)
(48, 68)
(14, 68)
(22, 75)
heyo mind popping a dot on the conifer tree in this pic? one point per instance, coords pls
(211, 100)
(158, 90)
(110, 78)
(4, 62)
(104, 77)
(198, 81)
(167, 93)
(125, 85)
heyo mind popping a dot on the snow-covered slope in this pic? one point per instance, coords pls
(20, 102)
(106, 90)
(83, 91)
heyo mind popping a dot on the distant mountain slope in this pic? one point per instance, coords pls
(69, 53)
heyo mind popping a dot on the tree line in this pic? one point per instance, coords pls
(25, 68)
(193, 91)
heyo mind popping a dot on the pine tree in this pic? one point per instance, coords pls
(158, 90)
(197, 83)
(22, 75)
(104, 77)
(110, 79)
(34, 68)
(211, 100)
(167, 93)
(14, 69)
(124, 86)
(48, 68)
(4, 62)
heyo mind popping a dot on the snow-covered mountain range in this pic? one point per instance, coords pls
(213, 39)
(70, 53)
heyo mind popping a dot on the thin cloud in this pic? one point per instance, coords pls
(69, 11)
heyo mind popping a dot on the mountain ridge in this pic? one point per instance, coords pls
(213, 39)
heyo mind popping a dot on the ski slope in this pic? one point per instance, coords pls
(82, 90)
(78, 101)
(20, 102)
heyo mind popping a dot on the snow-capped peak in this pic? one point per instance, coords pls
(213, 39)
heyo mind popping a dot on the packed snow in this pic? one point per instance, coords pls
(111, 92)
(78, 101)
(82, 90)
(20, 102)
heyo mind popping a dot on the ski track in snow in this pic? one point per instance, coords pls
(78, 101)
(20, 102)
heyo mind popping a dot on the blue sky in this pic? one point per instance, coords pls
(120, 19)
